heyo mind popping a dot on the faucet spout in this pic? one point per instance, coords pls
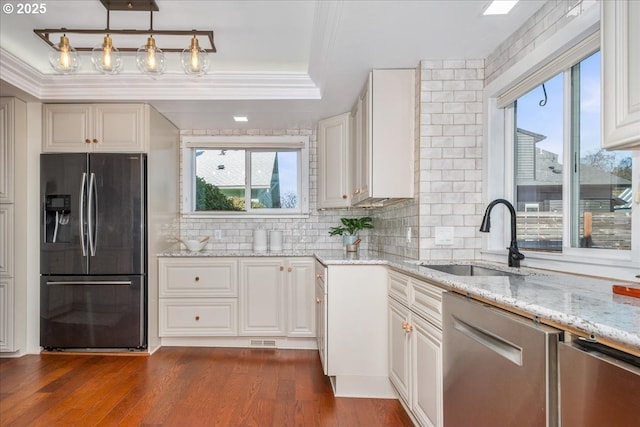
(514, 254)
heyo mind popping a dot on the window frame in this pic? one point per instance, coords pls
(250, 144)
(498, 159)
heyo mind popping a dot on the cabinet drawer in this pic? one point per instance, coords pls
(198, 277)
(427, 302)
(197, 317)
(399, 287)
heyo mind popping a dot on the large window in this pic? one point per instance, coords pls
(563, 179)
(253, 175)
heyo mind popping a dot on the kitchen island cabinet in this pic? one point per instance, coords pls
(355, 339)
(96, 128)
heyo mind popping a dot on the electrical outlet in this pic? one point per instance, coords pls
(217, 234)
(408, 234)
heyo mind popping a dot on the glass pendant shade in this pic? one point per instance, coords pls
(64, 59)
(106, 58)
(150, 59)
(194, 59)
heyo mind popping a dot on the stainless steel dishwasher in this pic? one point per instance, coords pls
(499, 369)
(599, 386)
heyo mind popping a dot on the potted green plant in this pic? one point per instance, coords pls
(350, 228)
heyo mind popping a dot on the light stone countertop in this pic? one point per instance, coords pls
(584, 305)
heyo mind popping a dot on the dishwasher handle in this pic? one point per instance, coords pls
(489, 340)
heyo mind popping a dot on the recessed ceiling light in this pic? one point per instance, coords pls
(240, 118)
(499, 7)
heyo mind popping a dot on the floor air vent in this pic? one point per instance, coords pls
(263, 343)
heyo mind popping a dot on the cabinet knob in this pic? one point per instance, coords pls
(319, 276)
(404, 325)
(197, 279)
(282, 268)
(409, 328)
(344, 196)
(318, 300)
(87, 141)
(95, 141)
(290, 269)
(357, 191)
(197, 318)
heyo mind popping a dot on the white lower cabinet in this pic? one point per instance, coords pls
(321, 313)
(245, 297)
(198, 297)
(262, 297)
(415, 346)
(356, 338)
(6, 314)
(199, 317)
(301, 321)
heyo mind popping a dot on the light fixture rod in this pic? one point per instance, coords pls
(45, 34)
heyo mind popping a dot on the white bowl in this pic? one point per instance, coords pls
(195, 245)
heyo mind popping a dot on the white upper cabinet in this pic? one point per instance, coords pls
(376, 144)
(620, 31)
(384, 145)
(96, 127)
(334, 135)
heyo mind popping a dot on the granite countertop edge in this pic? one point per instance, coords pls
(524, 293)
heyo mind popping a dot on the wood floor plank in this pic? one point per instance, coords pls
(182, 386)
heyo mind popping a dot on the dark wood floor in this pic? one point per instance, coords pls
(180, 386)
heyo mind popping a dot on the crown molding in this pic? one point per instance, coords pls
(129, 87)
(326, 23)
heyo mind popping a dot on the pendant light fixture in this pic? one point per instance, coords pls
(106, 58)
(150, 58)
(64, 58)
(194, 59)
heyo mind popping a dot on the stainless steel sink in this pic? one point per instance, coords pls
(468, 270)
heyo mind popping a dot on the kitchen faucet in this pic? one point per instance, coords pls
(514, 254)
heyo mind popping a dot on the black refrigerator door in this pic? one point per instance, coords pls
(116, 214)
(92, 312)
(62, 190)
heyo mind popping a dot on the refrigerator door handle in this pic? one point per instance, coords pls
(94, 282)
(93, 210)
(81, 210)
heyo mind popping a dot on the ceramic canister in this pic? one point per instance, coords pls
(260, 240)
(275, 240)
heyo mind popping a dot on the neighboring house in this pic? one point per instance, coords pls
(226, 170)
(539, 180)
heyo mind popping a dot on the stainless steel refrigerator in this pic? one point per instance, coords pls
(93, 257)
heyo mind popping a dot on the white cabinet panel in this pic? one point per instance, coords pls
(399, 347)
(261, 295)
(6, 315)
(321, 313)
(198, 317)
(6, 149)
(415, 346)
(301, 320)
(204, 277)
(620, 32)
(95, 127)
(6, 240)
(334, 135)
(385, 143)
(426, 396)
